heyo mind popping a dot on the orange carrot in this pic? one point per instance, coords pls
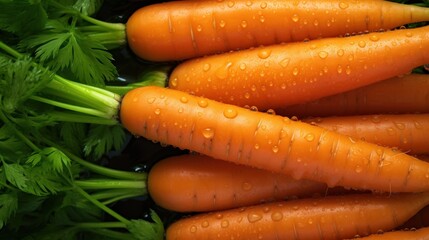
(287, 74)
(419, 234)
(271, 142)
(196, 183)
(406, 132)
(332, 217)
(186, 29)
(405, 94)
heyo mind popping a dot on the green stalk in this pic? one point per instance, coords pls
(91, 184)
(94, 225)
(150, 78)
(112, 234)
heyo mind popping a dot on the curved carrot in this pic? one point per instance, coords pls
(270, 142)
(419, 234)
(186, 29)
(332, 217)
(197, 183)
(406, 132)
(404, 94)
(282, 75)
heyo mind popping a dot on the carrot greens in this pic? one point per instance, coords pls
(45, 184)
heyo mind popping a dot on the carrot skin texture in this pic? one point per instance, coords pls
(332, 217)
(270, 142)
(197, 183)
(419, 234)
(406, 132)
(281, 75)
(188, 29)
(377, 98)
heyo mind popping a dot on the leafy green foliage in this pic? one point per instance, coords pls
(8, 206)
(145, 230)
(102, 139)
(22, 17)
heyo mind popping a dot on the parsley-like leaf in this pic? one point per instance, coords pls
(8, 206)
(22, 17)
(63, 48)
(102, 139)
(145, 230)
(88, 7)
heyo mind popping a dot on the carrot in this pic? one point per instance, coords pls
(187, 29)
(404, 94)
(197, 183)
(419, 234)
(287, 74)
(331, 217)
(270, 142)
(406, 132)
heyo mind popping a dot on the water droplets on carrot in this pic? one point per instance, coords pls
(193, 229)
(151, 100)
(243, 24)
(343, 5)
(316, 23)
(323, 54)
(284, 62)
(208, 133)
(358, 169)
(295, 71)
(203, 103)
(275, 149)
(230, 4)
(264, 53)
(173, 82)
(254, 217)
(206, 67)
(205, 224)
(263, 5)
(309, 137)
(243, 66)
(340, 52)
(230, 113)
(184, 99)
(362, 44)
(246, 186)
(295, 18)
(374, 38)
(249, 3)
(276, 216)
(222, 23)
(224, 223)
(157, 111)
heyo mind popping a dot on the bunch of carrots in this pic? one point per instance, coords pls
(306, 119)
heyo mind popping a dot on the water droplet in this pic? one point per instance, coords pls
(271, 111)
(408, 34)
(184, 99)
(219, 215)
(135, 99)
(254, 108)
(309, 137)
(208, 133)
(243, 24)
(203, 103)
(222, 23)
(340, 52)
(261, 19)
(206, 67)
(358, 169)
(256, 146)
(400, 126)
(351, 57)
(285, 62)
(263, 54)
(231, 4)
(249, 3)
(295, 71)
(254, 217)
(151, 100)
(343, 5)
(339, 69)
(374, 38)
(295, 18)
(224, 224)
(243, 66)
(247, 95)
(199, 28)
(275, 149)
(193, 229)
(246, 186)
(362, 44)
(157, 111)
(276, 216)
(323, 54)
(418, 125)
(205, 224)
(263, 5)
(230, 113)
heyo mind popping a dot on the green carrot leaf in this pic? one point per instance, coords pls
(8, 206)
(88, 7)
(145, 230)
(22, 17)
(101, 139)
